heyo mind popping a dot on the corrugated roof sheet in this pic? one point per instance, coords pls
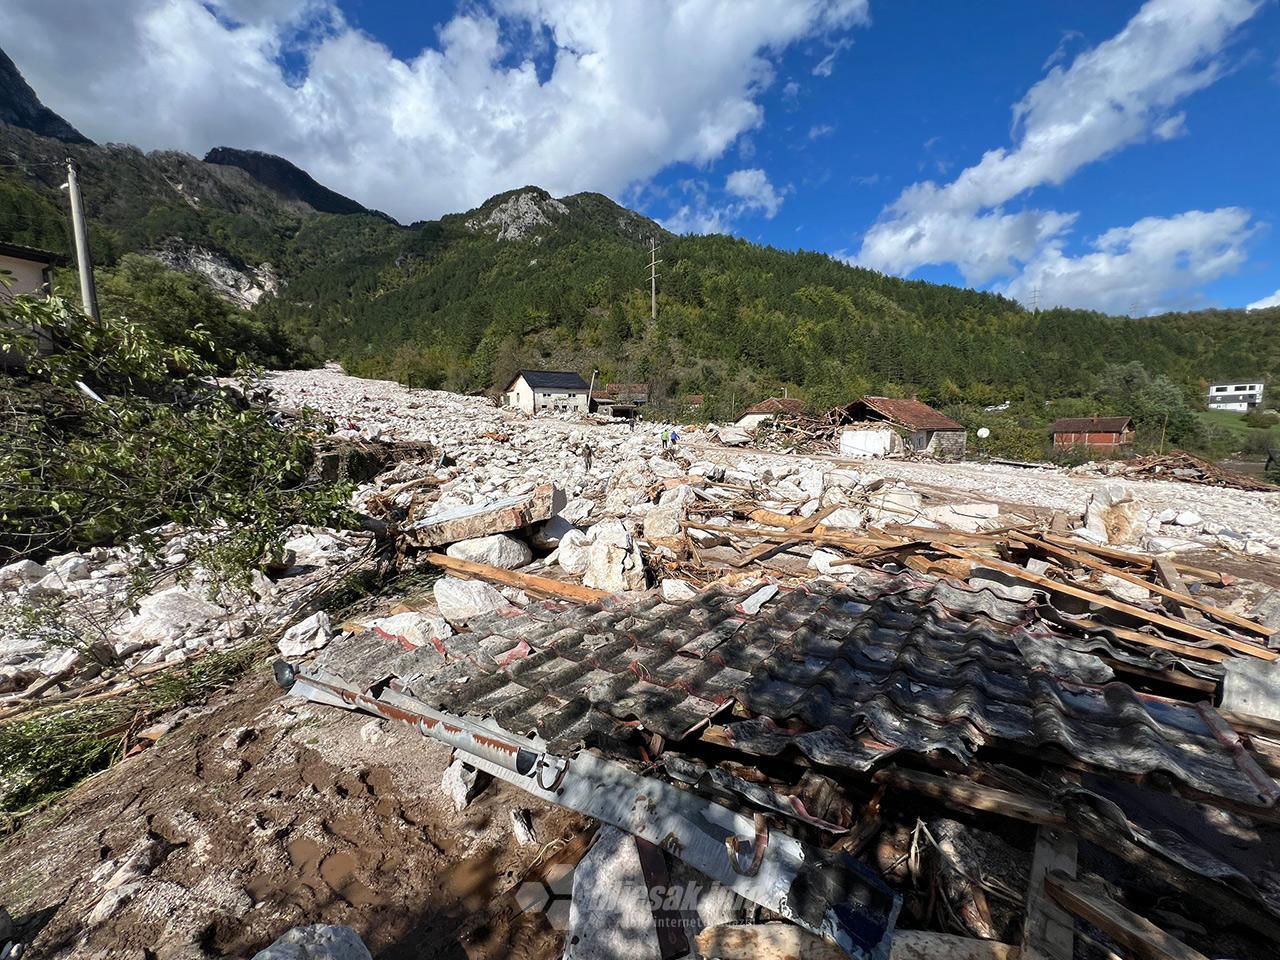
(912, 414)
(1091, 425)
(847, 675)
(552, 379)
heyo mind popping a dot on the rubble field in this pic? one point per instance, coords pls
(566, 692)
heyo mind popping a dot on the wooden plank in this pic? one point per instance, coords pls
(1180, 597)
(1121, 924)
(538, 586)
(967, 795)
(1048, 932)
(1172, 580)
(767, 549)
(1103, 600)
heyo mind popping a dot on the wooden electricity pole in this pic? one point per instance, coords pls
(653, 278)
(84, 263)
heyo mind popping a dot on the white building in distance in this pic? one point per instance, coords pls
(1242, 397)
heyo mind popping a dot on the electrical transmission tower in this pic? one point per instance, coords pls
(1035, 300)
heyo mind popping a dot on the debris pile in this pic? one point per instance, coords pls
(818, 708)
(1183, 467)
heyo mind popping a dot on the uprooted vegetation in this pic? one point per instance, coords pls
(111, 430)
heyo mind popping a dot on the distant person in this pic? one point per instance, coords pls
(586, 456)
(674, 437)
(666, 439)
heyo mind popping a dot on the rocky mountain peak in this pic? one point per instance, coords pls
(20, 107)
(517, 215)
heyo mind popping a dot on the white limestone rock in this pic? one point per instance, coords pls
(320, 941)
(497, 550)
(415, 628)
(21, 573)
(614, 563)
(676, 591)
(169, 614)
(306, 636)
(461, 600)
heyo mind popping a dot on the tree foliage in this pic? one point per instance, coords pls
(113, 429)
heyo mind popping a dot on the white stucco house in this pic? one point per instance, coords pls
(26, 269)
(534, 391)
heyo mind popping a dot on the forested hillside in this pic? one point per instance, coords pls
(528, 280)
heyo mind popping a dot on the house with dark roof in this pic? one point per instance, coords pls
(924, 429)
(768, 409)
(1095, 433)
(560, 391)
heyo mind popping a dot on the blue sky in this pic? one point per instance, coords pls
(1120, 156)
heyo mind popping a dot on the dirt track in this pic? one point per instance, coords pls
(262, 814)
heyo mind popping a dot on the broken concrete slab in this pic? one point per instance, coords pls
(481, 520)
(673, 591)
(413, 628)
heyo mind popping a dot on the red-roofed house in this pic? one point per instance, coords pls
(927, 430)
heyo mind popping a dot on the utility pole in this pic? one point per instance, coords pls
(653, 278)
(88, 293)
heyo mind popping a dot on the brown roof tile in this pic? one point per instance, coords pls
(912, 414)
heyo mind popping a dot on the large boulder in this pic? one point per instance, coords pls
(321, 941)
(1113, 514)
(461, 600)
(663, 521)
(614, 563)
(498, 550)
(21, 573)
(572, 552)
(170, 614)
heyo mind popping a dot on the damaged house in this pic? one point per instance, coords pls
(926, 430)
(768, 410)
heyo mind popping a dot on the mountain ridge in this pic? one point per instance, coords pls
(21, 107)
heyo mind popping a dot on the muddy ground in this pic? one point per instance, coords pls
(261, 813)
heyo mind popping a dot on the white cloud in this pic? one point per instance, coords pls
(755, 191)
(1144, 264)
(748, 191)
(1115, 94)
(819, 130)
(466, 118)
(1271, 301)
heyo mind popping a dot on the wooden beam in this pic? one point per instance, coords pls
(537, 586)
(967, 795)
(767, 549)
(1047, 930)
(1180, 597)
(1121, 924)
(1137, 559)
(1103, 600)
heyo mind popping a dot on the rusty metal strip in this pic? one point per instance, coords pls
(828, 893)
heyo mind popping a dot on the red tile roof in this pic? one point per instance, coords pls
(912, 414)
